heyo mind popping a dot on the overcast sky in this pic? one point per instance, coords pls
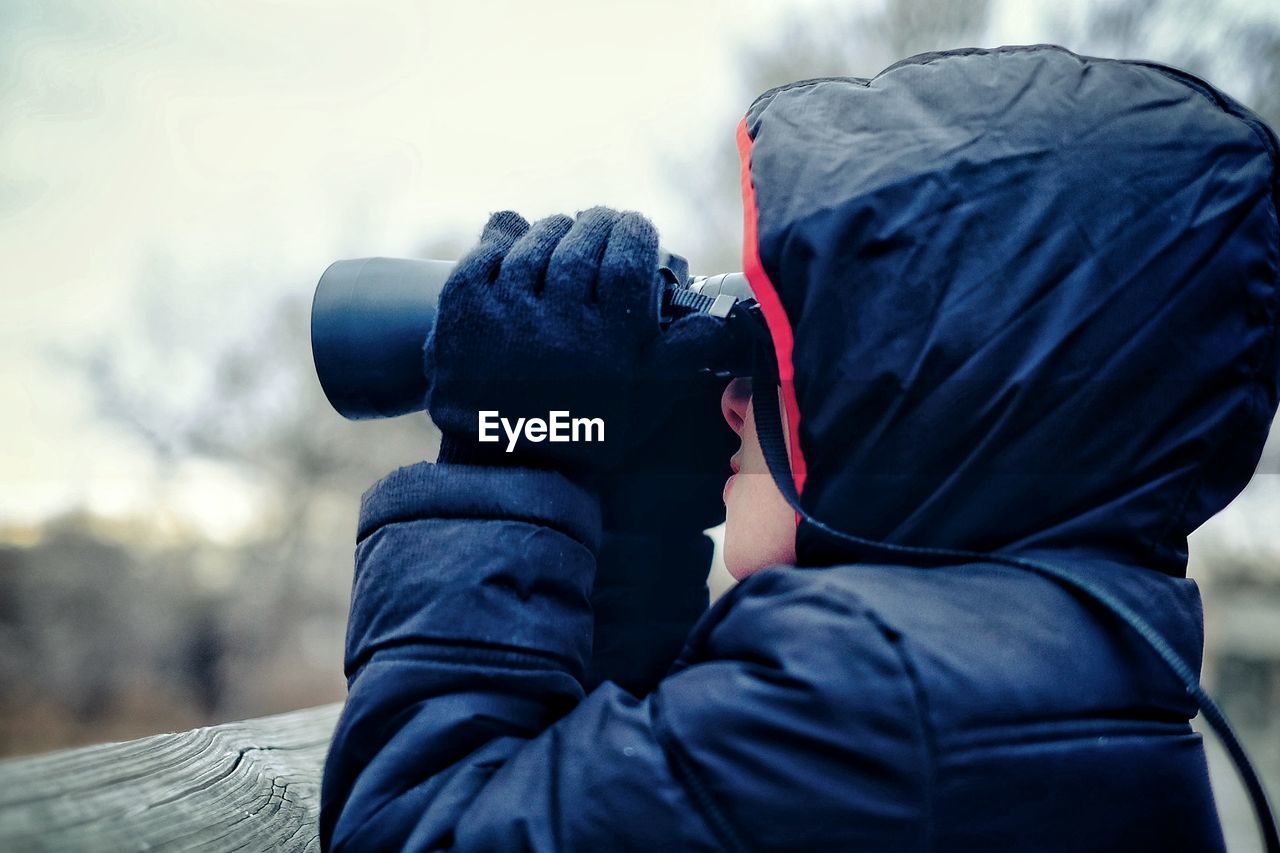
(222, 153)
(226, 152)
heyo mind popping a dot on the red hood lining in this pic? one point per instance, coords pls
(771, 304)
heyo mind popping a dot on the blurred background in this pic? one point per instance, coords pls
(178, 509)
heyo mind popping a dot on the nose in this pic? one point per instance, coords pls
(734, 402)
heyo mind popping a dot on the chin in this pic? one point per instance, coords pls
(759, 530)
(737, 570)
(743, 557)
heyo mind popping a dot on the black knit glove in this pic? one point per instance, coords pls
(651, 570)
(559, 317)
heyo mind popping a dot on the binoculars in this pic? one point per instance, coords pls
(371, 317)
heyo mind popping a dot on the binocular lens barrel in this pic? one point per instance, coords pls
(369, 321)
(371, 317)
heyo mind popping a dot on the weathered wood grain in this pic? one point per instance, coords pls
(253, 786)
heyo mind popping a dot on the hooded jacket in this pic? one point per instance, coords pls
(1023, 302)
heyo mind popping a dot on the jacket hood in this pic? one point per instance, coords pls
(1022, 300)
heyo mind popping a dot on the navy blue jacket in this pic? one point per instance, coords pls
(1023, 302)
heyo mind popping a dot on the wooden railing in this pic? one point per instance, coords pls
(253, 786)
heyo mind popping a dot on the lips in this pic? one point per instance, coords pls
(735, 465)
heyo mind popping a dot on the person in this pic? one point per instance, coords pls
(1023, 311)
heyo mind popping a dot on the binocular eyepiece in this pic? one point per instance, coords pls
(371, 317)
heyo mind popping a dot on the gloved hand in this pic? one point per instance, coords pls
(562, 316)
(652, 567)
(669, 482)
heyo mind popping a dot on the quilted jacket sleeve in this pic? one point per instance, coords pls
(467, 725)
